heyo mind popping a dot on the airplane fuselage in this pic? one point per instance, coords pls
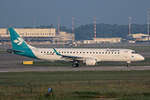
(88, 53)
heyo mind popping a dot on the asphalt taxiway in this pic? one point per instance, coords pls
(12, 63)
(98, 68)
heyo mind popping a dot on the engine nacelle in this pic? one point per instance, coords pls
(90, 62)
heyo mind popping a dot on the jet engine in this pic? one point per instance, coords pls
(90, 61)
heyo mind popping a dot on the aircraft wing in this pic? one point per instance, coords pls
(68, 57)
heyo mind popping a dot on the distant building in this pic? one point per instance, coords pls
(88, 42)
(109, 40)
(47, 35)
(103, 40)
(31, 32)
(4, 32)
(64, 37)
(139, 37)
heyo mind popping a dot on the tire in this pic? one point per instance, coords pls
(75, 64)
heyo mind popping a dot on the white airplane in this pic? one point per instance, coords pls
(75, 55)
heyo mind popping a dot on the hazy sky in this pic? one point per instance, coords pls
(26, 12)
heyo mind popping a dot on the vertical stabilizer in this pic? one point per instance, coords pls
(19, 46)
(17, 42)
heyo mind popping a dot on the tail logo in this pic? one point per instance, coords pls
(18, 41)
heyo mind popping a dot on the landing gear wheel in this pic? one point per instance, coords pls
(128, 62)
(127, 65)
(75, 64)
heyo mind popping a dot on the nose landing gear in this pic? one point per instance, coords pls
(128, 62)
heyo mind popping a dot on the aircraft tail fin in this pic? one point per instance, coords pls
(18, 44)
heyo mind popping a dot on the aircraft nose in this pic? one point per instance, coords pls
(142, 58)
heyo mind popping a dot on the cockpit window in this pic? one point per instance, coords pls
(134, 52)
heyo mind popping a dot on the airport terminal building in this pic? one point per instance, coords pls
(103, 40)
(38, 35)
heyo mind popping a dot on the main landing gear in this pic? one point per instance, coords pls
(75, 64)
(128, 62)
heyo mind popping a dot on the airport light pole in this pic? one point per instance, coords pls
(58, 26)
(148, 24)
(73, 29)
(130, 23)
(72, 25)
(94, 27)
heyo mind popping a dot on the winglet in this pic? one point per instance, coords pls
(57, 53)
